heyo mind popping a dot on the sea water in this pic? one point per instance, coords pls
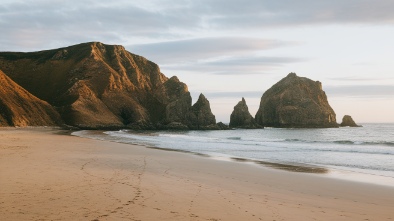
(367, 150)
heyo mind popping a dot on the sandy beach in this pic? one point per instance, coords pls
(45, 175)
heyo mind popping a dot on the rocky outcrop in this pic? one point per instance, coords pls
(347, 121)
(177, 97)
(241, 118)
(200, 115)
(98, 86)
(296, 102)
(222, 126)
(20, 108)
(93, 86)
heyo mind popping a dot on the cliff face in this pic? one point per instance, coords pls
(178, 100)
(296, 102)
(20, 108)
(94, 85)
(241, 118)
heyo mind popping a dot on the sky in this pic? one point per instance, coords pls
(229, 49)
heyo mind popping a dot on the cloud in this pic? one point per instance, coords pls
(353, 79)
(222, 56)
(39, 24)
(361, 91)
(239, 65)
(234, 94)
(253, 61)
(203, 48)
(267, 13)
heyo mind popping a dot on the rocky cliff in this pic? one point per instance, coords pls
(347, 121)
(93, 85)
(296, 102)
(241, 118)
(20, 108)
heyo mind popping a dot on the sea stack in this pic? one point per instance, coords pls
(201, 116)
(347, 121)
(241, 118)
(296, 102)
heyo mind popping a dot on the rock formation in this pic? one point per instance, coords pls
(221, 126)
(200, 116)
(347, 121)
(179, 102)
(93, 85)
(20, 108)
(241, 118)
(296, 102)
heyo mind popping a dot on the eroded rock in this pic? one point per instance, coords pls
(20, 108)
(241, 118)
(296, 102)
(96, 86)
(347, 121)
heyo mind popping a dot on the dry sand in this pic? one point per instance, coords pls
(47, 176)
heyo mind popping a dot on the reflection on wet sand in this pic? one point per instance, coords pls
(287, 167)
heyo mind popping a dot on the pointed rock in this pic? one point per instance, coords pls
(241, 118)
(201, 116)
(347, 121)
(296, 102)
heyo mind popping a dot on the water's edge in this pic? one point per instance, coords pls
(336, 173)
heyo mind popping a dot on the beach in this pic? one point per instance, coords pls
(46, 174)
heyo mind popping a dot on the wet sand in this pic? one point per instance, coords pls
(48, 176)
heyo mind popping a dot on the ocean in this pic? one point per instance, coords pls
(363, 154)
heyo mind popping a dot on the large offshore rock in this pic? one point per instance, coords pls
(296, 102)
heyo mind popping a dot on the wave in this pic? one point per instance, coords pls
(259, 144)
(384, 143)
(234, 138)
(360, 166)
(186, 136)
(296, 140)
(337, 152)
(344, 142)
(248, 141)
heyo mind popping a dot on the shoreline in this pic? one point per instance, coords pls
(347, 174)
(49, 176)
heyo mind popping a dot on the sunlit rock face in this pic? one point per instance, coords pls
(93, 85)
(20, 108)
(296, 102)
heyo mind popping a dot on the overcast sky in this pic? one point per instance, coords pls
(227, 49)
